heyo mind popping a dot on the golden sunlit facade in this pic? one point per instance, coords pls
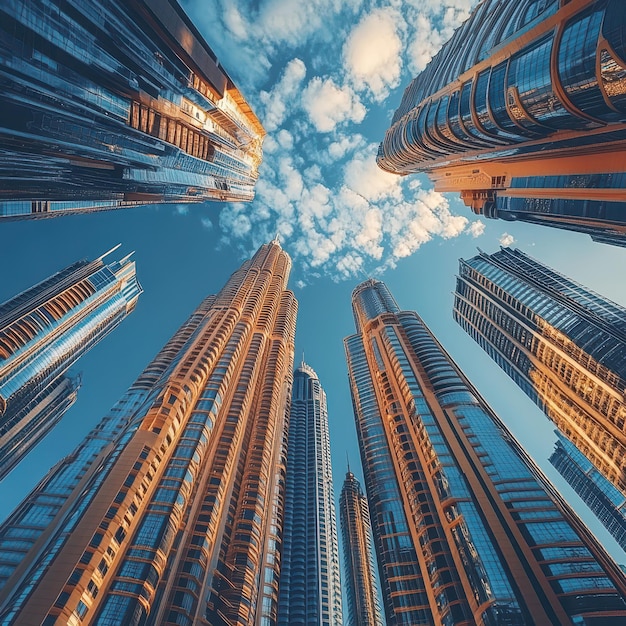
(522, 112)
(564, 345)
(170, 511)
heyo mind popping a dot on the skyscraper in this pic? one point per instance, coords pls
(360, 574)
(116, 104)
(522, 111)
(605, 500)
(310, 585)
(564, 345)
(170, 510)
(43, 332)
(467, 530)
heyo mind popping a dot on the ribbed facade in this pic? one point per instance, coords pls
(116, 103)
(607, 502)
(466, 528)
(170, 511)
(361, 585)
(310, 584)
(522, 112)
(43, 332)
(564, 345)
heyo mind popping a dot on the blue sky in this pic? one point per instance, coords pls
(324, 76)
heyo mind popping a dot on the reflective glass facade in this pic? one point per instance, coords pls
(361, 584)
(522, 90)
(564, 345)
(116, 103)
(170, 511)
(607, 502)
(43, 332)
(310, 585)
(475, 534)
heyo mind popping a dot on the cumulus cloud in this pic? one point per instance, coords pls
(319, 188)
(328, 104)
(274, 102)
(476, 229)
(507, 240)
(372, 52)
(344, 145)
(367, 179)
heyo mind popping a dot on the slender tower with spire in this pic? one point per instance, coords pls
(310, 587)
(361, 585)
(170, 511)
(43, 332)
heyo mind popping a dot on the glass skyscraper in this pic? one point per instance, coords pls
(43, 332)
(522, 112)
(466, 528)
(564, 345)
(170, 510)
(361, 585)
(605, 500)
(116, 103)
(310, 585)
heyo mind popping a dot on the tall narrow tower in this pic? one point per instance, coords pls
(43, 332)
(603, 498)
(170, 511)
(310, 587)
(467, 530)
(360, 574)
(564, 345)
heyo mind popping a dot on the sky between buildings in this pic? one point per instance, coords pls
(324, 76)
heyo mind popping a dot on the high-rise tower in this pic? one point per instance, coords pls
(115, 104)
(170, 510)
(310, 587)
(523, 111)
(43, 332)
(603, 498)
(467, 530)
(564, 345)
(360, 574)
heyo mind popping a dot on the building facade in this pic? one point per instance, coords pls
(605, 500)
(475, 533)
(310, 582)
(565, 347)
(170, 511)
(361, 584)
(522, 112)
(116, 104)
(43, 332)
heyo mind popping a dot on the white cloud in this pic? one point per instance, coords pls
(206, 223)
(345, 144)
(363, 176)
(507, 240)
(284, 91)
(181, 209)
(425, 43)
(476, 229)
(335, 211)
(372, 52)
(328, 105)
